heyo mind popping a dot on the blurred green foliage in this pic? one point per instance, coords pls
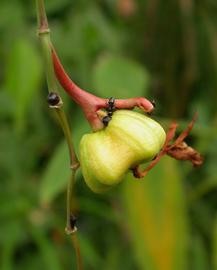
(166, 50)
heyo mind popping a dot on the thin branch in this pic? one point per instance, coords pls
(70, 228)
(74, 164)
(41, 16)
(77, 251)
(55, 102)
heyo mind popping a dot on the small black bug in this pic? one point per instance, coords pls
(111, 101)
(110, 109)
(106, 120)
(73, 220)
(153, 103)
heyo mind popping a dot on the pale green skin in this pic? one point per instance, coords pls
(130, 139)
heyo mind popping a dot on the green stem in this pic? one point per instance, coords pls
(69, 229)
(67, 133)
(77, 251)
(71, 183)
(50, 75)
(44, 36)
(41, 15)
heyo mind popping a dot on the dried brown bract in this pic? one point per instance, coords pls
(184, 152)
(178, 150)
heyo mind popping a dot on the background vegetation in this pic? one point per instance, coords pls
(166, 50)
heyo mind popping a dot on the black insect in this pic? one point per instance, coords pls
(73, 220)
(154, 105)
(110, 109)
(106, 119)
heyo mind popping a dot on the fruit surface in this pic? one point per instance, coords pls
(130, 139)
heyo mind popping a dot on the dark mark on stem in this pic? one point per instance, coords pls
(53, 99)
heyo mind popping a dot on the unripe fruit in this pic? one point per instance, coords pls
(107, 155)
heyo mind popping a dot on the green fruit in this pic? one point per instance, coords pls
(107, 155)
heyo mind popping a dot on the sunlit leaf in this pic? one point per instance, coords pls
(120, 77)
(56, 175)
(157, 218)
(57, 172)
(23, 75)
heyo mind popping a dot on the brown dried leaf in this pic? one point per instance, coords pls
(178, 150)
(184, 152)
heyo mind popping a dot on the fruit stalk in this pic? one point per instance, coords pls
(90, 103)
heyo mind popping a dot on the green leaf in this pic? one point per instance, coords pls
(56, 175)
(10, 237)
(57, 172)
(214, 253)
(200, 256)
(6, 108)
(120, 77)
(93, 208)
(89, 252)
(53, 6)
(23, 75)
(157, 218)
(47, 249)
(6, 23)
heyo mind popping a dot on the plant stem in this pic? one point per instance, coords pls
(44, 36)
(88, 102)
(41, 15)
(71, 228)
(67, 133)
(77, 251)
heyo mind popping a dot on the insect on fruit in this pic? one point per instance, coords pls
(123, 139)
(110, 109)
